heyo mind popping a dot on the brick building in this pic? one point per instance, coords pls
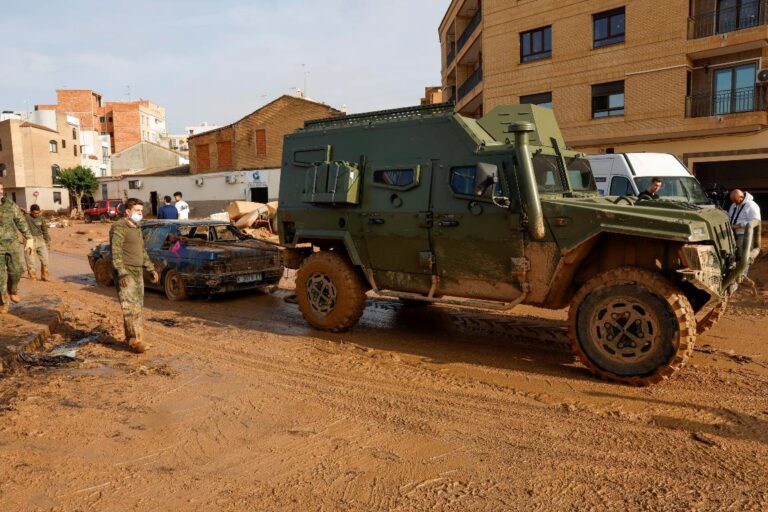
(126, 122)
(432, 95)
(255, 141)
(31, 155)
(678, 76)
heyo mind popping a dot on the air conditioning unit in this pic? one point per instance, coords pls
(231, 179)
(139, 184)
(199, 182)
(762, 76)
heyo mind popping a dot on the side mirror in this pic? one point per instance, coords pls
(486, 178)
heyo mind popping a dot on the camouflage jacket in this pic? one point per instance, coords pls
(127, 247)
(39, 227)
(11, 220)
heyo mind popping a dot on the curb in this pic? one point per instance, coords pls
(34, 321)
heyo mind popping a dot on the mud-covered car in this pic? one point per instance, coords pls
(198, 258)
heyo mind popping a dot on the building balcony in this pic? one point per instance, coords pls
(469, 30)
(743, 15)
(451, 55)
(734, 101)
(470, 83)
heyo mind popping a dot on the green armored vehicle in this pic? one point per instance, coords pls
(426, 205)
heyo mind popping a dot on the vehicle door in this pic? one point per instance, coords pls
(396, 224)
(601, 169)
(478, 242)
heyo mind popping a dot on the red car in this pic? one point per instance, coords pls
(104, 210)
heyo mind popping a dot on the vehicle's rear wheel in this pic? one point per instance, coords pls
(631, 325)
(330, 293)
(102, 271)
(712, 317)
(87, 218)
(174, 286)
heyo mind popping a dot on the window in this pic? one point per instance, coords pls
(101, 204)
(203, 154)
(580, 174)
(53, 146)
(75, 149)
(536, 44)
(395, 177)
(543, 99)
(261, 142)
(608, 28)
(548, 178)
(133, 184)
(102, 119)
(734, 89)
(63, 144)
(1, 144)
(55, 170)
(2, 170)
(74, 134)
(608, 100)
(224, 152)
(621, 186)
(467, 181)
(57, 197)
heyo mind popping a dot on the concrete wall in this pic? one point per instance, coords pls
(205, 194)
(144, 155)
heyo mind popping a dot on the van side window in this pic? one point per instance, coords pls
(620, 186)
(395, 177)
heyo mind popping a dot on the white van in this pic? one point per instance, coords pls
(628, 174)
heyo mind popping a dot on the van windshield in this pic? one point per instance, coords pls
(677, 188)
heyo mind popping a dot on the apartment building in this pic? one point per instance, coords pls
(679, 76)
(125, 122)
(32, 155)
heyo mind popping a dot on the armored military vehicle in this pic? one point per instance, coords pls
(426, 205)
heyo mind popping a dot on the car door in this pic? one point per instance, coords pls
(396, 224)
(154, 236)
(478, 243)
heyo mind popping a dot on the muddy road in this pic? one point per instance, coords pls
(240, 406)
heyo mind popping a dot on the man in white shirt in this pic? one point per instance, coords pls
(743, 210)
(181, 206)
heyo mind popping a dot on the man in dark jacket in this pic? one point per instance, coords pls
(650, 194)
(168, 211)
(130, 259)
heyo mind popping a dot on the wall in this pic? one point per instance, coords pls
(142, 156)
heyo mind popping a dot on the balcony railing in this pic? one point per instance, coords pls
(451, 55)
(747, 14)
(470, 83)
(473, 23)
(747, 99)
(450, 94)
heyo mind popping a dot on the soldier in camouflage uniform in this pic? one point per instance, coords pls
(129, 258)
(39, 228)
(11, 266)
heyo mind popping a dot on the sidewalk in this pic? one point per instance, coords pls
(30, 323)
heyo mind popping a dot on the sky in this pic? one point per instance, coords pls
(218, 60)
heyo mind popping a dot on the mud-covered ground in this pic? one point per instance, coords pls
(240, 406)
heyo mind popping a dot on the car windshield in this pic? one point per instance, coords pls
(224, 233)
(547, 175)
(677, 188)
(580, 174)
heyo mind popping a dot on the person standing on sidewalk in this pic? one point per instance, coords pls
(168, 211)
(130, 259)
(11, 265)
(39, 229)
(182, 206)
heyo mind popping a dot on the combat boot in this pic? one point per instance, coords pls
(15, 297)
(32, 275)
(137, 346)
(4, 309)
(44, 274)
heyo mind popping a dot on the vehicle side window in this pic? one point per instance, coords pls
(224, 233)
(466, 182)
(102, 204)
(620, 186)
(395, 177)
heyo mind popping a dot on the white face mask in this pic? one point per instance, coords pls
(136, 217)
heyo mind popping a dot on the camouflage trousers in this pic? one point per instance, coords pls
(11, 269)
(132, 303)
(39, 255)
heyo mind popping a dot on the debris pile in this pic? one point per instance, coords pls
(257, 219)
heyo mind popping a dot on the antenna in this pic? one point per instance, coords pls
(306, 74)
(128, 92)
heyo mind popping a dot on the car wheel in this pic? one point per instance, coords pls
(103, 217)
(174, 287)
(102, 271)
(330, 293)
(87, 218)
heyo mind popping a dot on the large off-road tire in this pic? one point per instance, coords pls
(631, 325)
(174, 288)
(102, 271)
(712, 317)
(329, 291)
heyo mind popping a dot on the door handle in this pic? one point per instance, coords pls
(448, 223)
(375, 220)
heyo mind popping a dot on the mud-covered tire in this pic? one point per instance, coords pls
(103, 218)
(173, 286)
(87, 218)
(649, 348)
(712, 317)
(329, 291)
(102, 271)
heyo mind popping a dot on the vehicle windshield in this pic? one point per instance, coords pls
(580, 174)
(547, 174)
(677, 188)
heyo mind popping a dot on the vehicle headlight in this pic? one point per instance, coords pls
(701, 257)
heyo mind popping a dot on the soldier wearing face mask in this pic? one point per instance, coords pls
(130, 259)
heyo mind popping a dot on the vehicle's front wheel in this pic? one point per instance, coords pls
(103, 217)
(330, 293)
(102, 271)
(174, 287)
(631, 325)
(87, 218)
